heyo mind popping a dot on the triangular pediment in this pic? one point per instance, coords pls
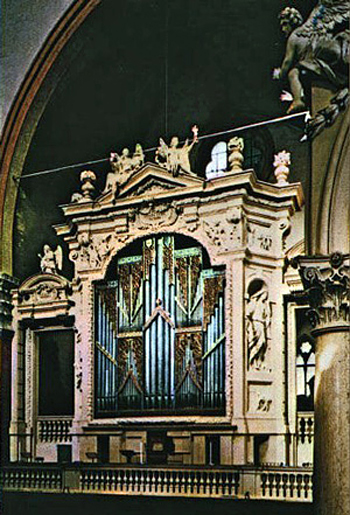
(153, 180)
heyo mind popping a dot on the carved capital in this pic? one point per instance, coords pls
(326, 282)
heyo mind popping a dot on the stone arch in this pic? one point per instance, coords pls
(26, 110)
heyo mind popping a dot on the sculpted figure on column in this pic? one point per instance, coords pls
(317, 49)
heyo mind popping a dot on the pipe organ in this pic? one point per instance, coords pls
(160, 333)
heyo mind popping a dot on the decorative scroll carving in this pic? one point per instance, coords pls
(173, 158)
(51, 260)
(151, 215)
(148, 256)
(168, 258)
(152, 187)
(258, 320)
(264, 405)
(317, 48)
(326, 281)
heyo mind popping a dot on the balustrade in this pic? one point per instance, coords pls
(277, 483)
(54, 429)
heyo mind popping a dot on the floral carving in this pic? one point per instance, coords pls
(223, 232)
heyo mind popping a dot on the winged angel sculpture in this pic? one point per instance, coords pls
(51, 261)
(317, 50)
(175, 158)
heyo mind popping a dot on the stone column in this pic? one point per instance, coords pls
(326, 281)
(6, 334)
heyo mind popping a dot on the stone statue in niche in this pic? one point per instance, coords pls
(123, 167)
(51, 260)
(175, 158)
(258, 321)
(317, 49)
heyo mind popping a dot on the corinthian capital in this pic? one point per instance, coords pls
(326, 282)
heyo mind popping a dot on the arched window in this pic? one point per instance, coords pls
(305, 369)
(160, 335)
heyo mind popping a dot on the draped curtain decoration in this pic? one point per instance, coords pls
(160, 332)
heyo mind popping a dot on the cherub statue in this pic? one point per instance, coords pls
(123, 166)
(51, 260)
(318, 48)
(175, 158)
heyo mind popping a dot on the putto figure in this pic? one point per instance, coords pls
(51, 261)
(317, 49)
(123, 166)
(175, 158)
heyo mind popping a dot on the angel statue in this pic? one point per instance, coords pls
(123, 166)
(51, 260)
(317, 49)
(175, 158)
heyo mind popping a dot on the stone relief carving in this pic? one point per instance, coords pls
(317, 48)
(258, 237)
(326, 282)
(152, 187)
(51, 261)
(152, 216)
(258, 321)
(264, 405)
(174, 158)
(223, 232)
(92, 253)
(259, 396)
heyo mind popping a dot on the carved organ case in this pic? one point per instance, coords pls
(177, 302)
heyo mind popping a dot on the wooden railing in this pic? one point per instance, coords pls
(277, 483)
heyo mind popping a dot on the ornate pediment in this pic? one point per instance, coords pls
(43, 292)
(149, 181)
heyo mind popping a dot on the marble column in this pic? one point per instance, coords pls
(326, 281)
(6, 334)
